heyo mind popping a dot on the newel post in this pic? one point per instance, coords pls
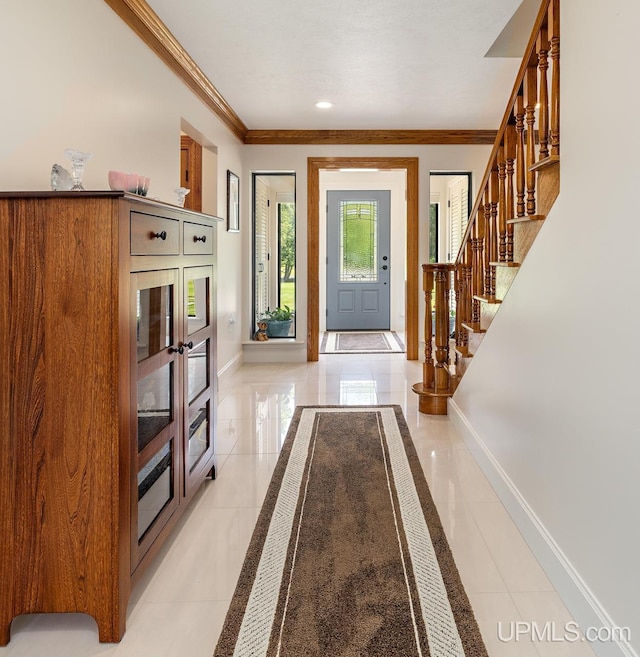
(435, 387)
(427, 286)
(442, 276)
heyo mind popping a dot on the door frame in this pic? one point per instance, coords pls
(314, 166)
(191, 172)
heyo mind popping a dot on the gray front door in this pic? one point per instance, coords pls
(358, 263)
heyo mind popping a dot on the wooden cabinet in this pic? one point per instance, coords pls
(108, 394)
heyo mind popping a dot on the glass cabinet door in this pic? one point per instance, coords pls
(199, 377)
(155, 386)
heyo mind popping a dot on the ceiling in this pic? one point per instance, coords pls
(384, 64)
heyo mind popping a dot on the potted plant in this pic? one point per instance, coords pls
(278, 321)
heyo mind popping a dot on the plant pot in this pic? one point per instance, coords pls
(278, 328)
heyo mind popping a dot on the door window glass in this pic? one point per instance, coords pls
(153, 322)
(358, 241)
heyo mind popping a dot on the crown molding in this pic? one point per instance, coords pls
(318, 137)
(147, 25)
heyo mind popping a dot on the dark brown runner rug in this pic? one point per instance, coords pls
(349, 557)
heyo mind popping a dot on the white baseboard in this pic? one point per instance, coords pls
(579, 599)
(278, 350)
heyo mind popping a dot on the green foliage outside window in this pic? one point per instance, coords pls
(287, 214)
(358, 235)
(433, 233)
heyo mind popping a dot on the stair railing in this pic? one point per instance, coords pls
(527, 141)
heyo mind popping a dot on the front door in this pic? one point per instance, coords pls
(358, 264)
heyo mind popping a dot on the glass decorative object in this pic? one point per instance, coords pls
(61, 180)
(181, 192)
(78, 161)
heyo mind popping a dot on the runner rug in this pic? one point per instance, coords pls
(349, 557)
(359, 342)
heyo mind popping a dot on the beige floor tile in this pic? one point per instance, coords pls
(227, 434)
(173, 630)
(519, 568)
(553, 629)
(179, 605)
(241, 482)
(206, 560)
(56, 635)
(497, 618)
(262, 436)
(476, 566)
(475, 486)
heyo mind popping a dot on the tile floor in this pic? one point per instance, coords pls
(178, 608)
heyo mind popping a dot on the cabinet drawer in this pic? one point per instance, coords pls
(198, 239)
(151, 235)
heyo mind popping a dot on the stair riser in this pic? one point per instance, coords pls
(548, 188)
(523, 236)
(504, 278)
(487, 313)
(474, 342)
(461, 366)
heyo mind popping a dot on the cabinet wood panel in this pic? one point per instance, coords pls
(152, 235)
(68, 420)
(197, 239)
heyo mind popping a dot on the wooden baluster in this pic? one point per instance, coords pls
(427, 366)
(492, 245)
(554, 52)
(468, 286)
(488, 233)
(474, 277)
(457, 293)
(510, 152)
(463, 310)
(542, 47)
(502, 204)
(531, 99)
(442, 277)
(478, 266)
(520, 161)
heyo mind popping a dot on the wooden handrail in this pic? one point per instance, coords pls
(527, 141)
(547, 21)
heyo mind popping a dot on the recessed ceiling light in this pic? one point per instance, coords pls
(324, 104)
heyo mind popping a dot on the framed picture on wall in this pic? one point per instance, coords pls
(233, 202)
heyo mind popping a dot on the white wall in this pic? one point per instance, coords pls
(74, 75)
(78, 77)
(294, 158)
(550, 401)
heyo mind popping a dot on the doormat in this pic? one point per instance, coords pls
(361, 342)
(349, 556)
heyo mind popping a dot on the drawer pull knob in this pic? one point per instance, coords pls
(179, 350)
(202, 239)
(162, 235)
(189, 345)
